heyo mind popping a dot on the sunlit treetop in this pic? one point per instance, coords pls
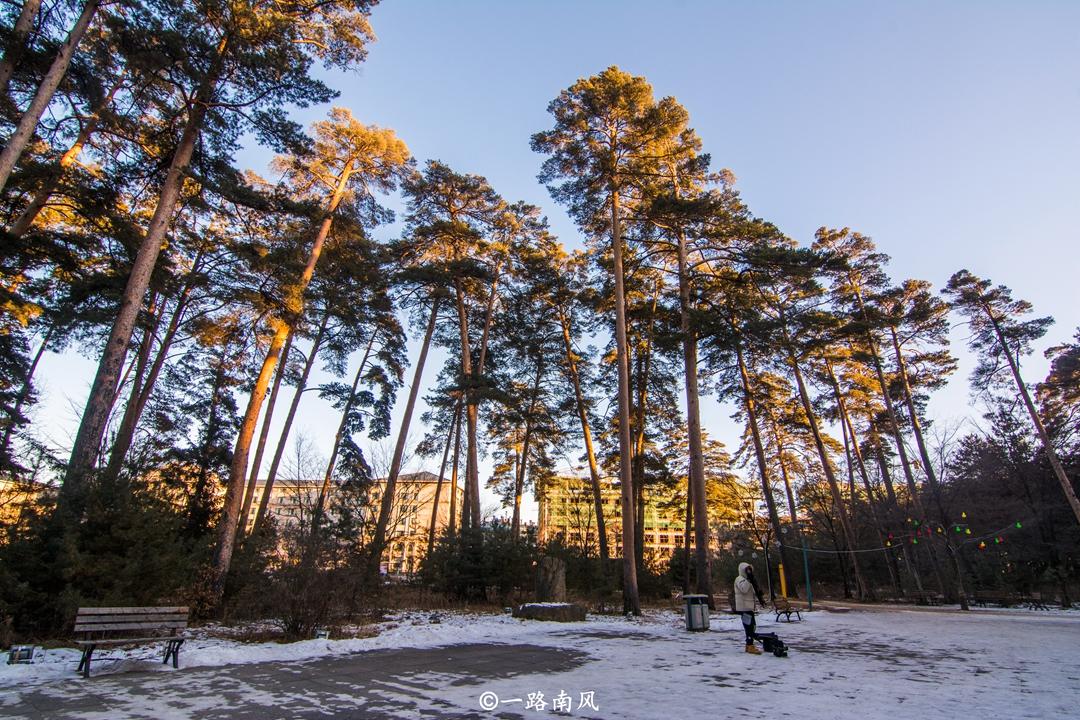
(610, 135)
(349, 159)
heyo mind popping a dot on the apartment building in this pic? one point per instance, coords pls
(18, 498)
(567, 509)
(292, 501)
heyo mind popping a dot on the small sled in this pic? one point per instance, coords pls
(772, 644)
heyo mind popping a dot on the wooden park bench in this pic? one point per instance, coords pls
(984, 598)
(113, 626)
(925, 598)
(783, 606)
(1034, 601)
(1006, 599)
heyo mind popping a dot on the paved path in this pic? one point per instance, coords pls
(880, 665)
(379, 684)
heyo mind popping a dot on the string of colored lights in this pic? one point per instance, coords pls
(997, 535)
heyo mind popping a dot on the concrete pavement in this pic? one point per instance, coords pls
(396, 683)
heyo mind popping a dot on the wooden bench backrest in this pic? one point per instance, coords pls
(110, 620)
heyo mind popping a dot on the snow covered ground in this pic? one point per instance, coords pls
(892, 663)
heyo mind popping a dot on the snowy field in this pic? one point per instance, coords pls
(893, 663)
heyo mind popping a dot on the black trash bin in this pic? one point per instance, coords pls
(697, 612)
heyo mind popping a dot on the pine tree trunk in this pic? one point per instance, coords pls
(126, 431)
(472, 463)
(637, 467)
(886, 396)
(470, 506)
(52, 180)
(688, 522)
(454, 481)
(631, 601)
(849, 463)
(234, 492)
(639, 524)
(843, 568)
(489, 319)
(387, 503)
(28, 123)
(324, 491)
(862, 589)
(455, 420)
(84, 452)
(519, 484)
(898, 437)
(279, 451)
(849, 431)
(340, 434)
(928, 468)
(1044, 437)
(137, 405)
(759, 450)
(199, 508)
(17, 45)
(590, 454)
(641, 377)
(792, 509)
(696, 477)
(894, 424)
(519, 480)
(264, 433)
(897, 519)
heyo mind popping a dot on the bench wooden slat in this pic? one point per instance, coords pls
(124, 641)
(131, 626)
(131, 610)
(136, 627)
(129, 616)
(113, 619)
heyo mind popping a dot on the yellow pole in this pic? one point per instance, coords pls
(783, 581)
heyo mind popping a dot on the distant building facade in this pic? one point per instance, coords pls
(17, 499)
(567, 509)
(291, 501)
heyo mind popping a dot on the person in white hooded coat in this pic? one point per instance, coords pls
(745, 595)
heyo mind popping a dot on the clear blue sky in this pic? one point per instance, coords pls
(946, 131)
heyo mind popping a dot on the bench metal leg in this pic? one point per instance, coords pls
(84, 663)
(173, 650)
